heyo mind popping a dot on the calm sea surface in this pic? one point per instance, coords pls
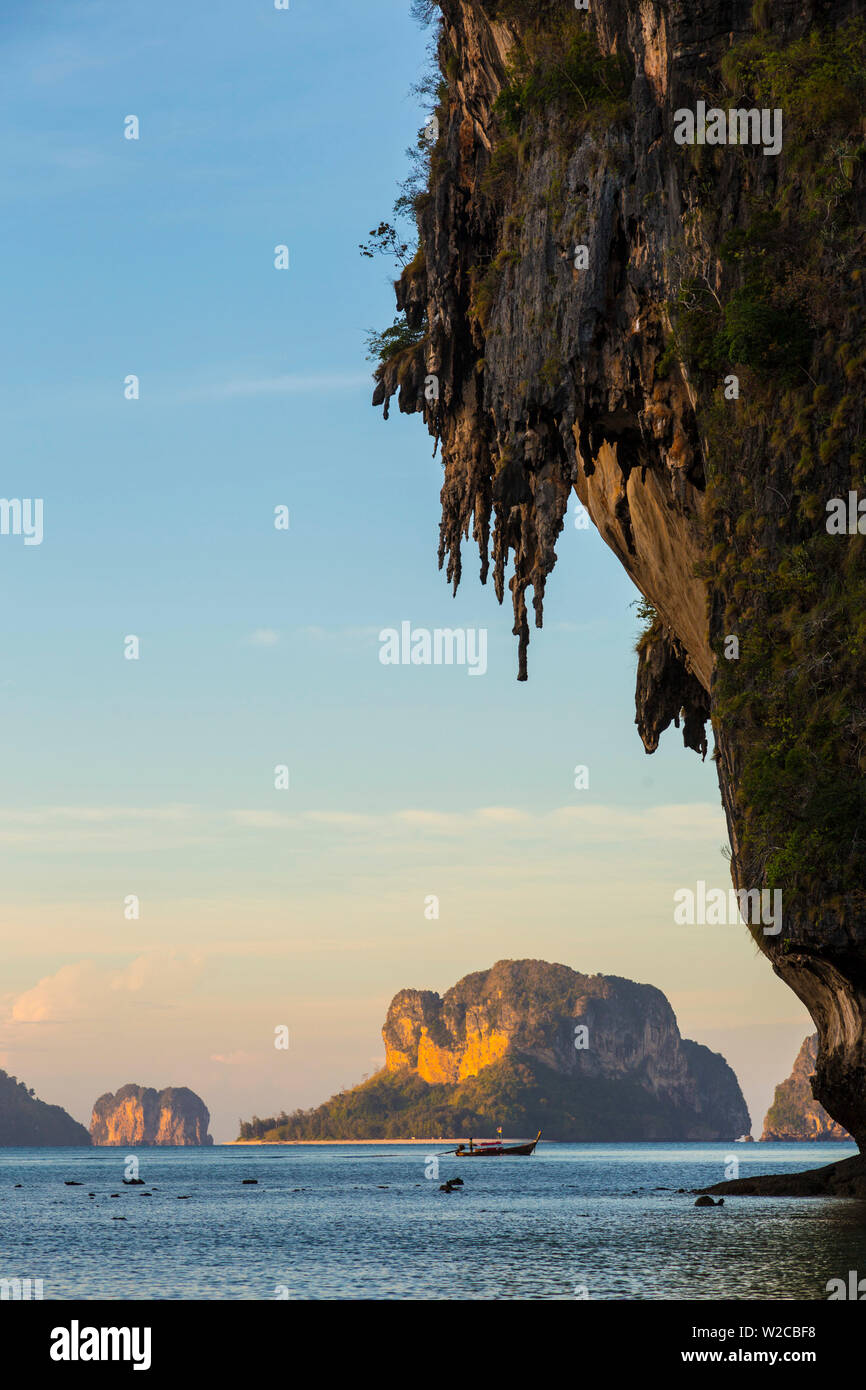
(353, 1222)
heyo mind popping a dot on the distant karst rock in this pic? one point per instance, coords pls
(502, 1048)
(27, 1122)
(795, 1115)
(137, 1116)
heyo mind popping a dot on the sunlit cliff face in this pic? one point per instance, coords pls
(588, 1029)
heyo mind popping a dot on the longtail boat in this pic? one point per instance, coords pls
(494, 1148)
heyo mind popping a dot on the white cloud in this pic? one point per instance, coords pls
(89, 990)
(501, 815)
(159, 974)
(264, 820)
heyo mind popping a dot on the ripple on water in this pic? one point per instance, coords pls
(348, 1222)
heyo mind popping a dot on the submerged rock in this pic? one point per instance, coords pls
(845, 1179)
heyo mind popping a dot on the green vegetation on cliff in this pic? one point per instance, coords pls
(518, 1093)
(558, 63)
(783, 266)
(791, 326)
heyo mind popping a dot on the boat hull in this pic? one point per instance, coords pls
(495, 1151)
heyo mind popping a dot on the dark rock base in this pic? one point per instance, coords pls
(845, 1179)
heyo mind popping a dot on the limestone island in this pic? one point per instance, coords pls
(139, 1116)
(529, 1045)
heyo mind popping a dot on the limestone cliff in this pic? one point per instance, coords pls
(139, 1115)
(528, 1045)
(672, 333)
(536, 1011)
(26, 1121)
(795, 1115)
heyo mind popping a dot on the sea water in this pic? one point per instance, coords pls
(575, 1221)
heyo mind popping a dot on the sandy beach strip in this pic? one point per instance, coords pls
(297, 1143)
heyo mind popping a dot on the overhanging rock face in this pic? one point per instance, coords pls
(672, 333)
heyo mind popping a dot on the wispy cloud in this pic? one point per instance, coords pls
(289, 384)
(590, 824)
(355, 632)
(107, 828)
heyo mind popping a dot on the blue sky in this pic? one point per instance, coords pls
(155, 257)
